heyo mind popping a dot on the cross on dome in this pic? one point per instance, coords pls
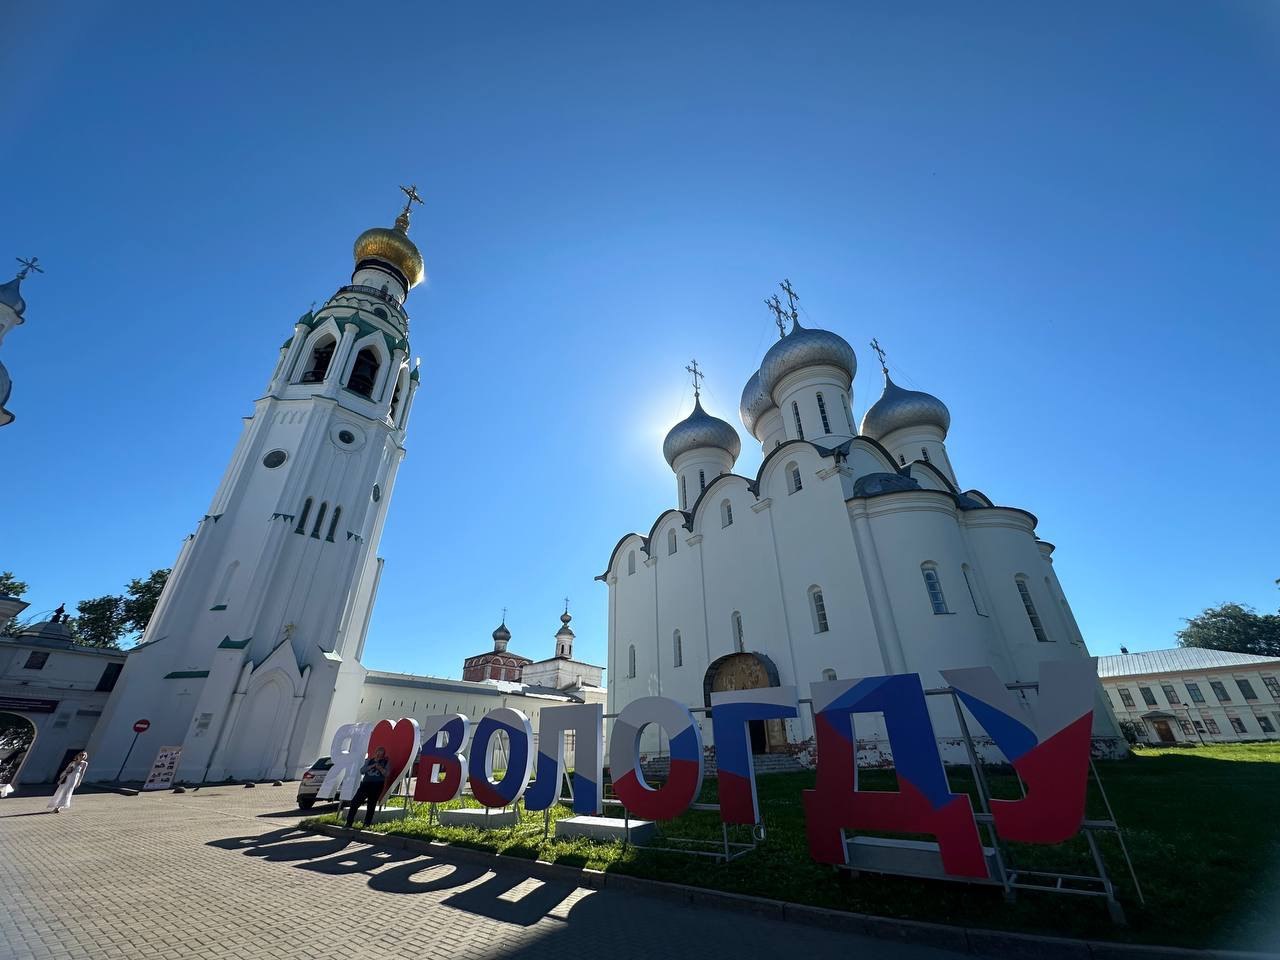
(779, 314)
(698, 377)
(875, 345)
(28, 266)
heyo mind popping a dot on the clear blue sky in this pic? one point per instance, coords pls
(1064, 222)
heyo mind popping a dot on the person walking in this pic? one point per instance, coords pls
(68, 781)
(373, 778)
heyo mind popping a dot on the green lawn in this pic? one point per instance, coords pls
(1199, 823)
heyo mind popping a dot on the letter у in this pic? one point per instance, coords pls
(587, 722)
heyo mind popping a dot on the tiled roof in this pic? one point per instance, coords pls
(1176, 659)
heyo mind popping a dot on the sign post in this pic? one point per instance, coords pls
(139, 728)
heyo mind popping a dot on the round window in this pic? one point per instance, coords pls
(346, 436)
(274, 459)
(377, 493)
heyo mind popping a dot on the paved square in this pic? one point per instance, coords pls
(224, 872)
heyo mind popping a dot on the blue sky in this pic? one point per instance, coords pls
(1063, 221)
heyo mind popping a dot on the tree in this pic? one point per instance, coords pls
(143, 595)
(1234, 627)
(11, 586)
(100, 621)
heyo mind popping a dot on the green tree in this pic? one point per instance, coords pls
(100, 622)
(142, 597)
(1234, 627)
(11, 586)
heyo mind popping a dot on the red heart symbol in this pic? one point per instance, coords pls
(398, 739)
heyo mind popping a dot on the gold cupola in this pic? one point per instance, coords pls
(392, 245)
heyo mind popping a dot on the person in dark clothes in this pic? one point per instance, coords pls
(373, 778)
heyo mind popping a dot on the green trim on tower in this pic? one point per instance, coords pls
(218, 606)
(229, 644)
(186, 675)
(415, 377)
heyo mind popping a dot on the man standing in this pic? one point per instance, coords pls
(373, 779)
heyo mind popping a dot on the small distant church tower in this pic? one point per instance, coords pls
(252, 658)
(564, 636)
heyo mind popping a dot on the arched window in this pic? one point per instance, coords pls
(726, 513)
(1036, 626)
(934, 587)
(702, 480)
(318, 364)
(684, 494)
(671, 542)
(794, 484)
(828, 674)
(302, 518)
(818, 610)
(902, 459)
(677, 650)
(822, 412)
(631, 661)
(333, 524)
(973, 594)
(364, 372)
(315, 531)
(795, 412)
(395, 398)
(739, 641)
(631, 562)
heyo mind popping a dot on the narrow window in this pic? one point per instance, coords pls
(631, 661)
(726, 513)
(1220, 691)
(1036, 626)
(1193, 689)
(925, 454)
(36, 660)
(793, 476)
(1170, 694)
(302, 519)
(684, 494)
(1246, 689)
(395, 399)
(934, 588)
(318, 366)
(1211, 724)
(631, 562)
(818, 609)
(822, 412)
(848, 413)
(973, 594)
(739, 641)
(1187, 729)
(702, 481)
(1148, 697)
(677, 649)
(902, 460)
(1126, 698)
(364, 372)
(1265, 724)
(795, 412)
(1273, 686)
(1237, 725)
(333, 524)
(315, 531)
(671, 542)
(828, 674)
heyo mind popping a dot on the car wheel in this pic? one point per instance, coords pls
(306, 803)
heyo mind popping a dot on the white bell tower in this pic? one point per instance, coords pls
(252, 657)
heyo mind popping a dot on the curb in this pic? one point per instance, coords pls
(1016, 946)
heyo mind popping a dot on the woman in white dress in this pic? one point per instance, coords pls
(67, 783)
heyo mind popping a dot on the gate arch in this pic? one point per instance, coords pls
(747, 671)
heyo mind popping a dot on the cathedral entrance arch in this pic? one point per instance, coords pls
(747, 671)
(17, 734)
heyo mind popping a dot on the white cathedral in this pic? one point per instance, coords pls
(852, 552)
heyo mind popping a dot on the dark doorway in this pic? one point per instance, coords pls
(1163, 731)
(17, 733)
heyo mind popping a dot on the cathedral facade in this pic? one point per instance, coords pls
(252, 657)
(853, 551)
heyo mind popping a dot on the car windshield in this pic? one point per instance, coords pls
(324, 763)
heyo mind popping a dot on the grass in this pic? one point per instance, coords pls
(1199, 824)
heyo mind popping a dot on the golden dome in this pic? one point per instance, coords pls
(392, 244)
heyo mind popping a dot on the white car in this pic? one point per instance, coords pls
(311, 782)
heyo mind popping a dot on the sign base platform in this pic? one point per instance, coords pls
(480, 818)
(607, 828)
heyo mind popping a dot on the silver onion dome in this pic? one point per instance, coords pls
(756, 402)
(700, 429)
(898, 408)
(501, 637)
(802, 348)
(11, 296)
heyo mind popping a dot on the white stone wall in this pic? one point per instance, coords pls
(1210, 721)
